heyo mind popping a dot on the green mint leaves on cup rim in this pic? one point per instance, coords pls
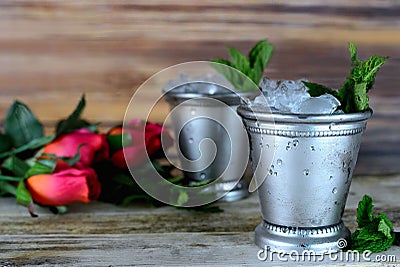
(252, 66)
(353, 93)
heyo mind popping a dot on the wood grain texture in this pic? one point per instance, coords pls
(173, 249)
(100, 234)
(53, 51)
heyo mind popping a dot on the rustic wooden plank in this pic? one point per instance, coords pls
(177, 249)
(240, 216)
(103, 234)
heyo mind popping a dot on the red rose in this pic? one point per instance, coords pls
(138, 145)
(92, 147)
(64, 187)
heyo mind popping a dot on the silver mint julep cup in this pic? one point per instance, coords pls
(210, 137)
(304, 166)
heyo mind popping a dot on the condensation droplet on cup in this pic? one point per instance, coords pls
(306, 172)
(279, 162)
(334, 190)
(295, 142)
(202, 175)
(331, 125)
(312, 148)
(276, 173)
(193, 111)
(191, 140)
(266, 145)
(288, 148)
(330, 177)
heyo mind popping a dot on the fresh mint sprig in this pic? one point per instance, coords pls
(376, 232)
(353, 93)
(252, 66)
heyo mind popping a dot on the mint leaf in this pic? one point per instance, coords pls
(353, 93)
(259, 57)
(360, 96)
(315, 89)
(375, 233)
(385, 225)
(73, 121)
(372, 244)
(353, 52)
(364, 211)
(239, 61)
(21, 125)
(251, 67)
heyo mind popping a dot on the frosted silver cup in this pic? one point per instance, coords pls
(306, 185)
(209, 114)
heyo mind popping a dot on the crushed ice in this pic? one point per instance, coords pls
(288, 96)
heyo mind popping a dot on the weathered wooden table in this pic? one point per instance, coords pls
(53, 51)
(100, 234)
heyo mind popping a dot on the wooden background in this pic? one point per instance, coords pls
(53, 51)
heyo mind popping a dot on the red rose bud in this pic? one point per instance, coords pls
(64, 187)
(136, 146)
(92, 147)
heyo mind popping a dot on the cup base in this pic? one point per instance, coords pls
(289, 239)
(239, 192)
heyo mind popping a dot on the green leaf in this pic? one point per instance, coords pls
(247, 71)
(21, 125)
(42, 166)
(51, 159)
(73, 121)
(364, 211)
(23, 196)
(259, 57)
(361, 97)
(353, 52)
(375, 233)
(5, 143)
(385, 225)
(10, 178)
(222, 61)
(119, 141)
(239, 61)
(36, 143)
(16, 166)
(123, 179)
(6, 187)
(182, 198)
(373, 244)
(315, 89)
